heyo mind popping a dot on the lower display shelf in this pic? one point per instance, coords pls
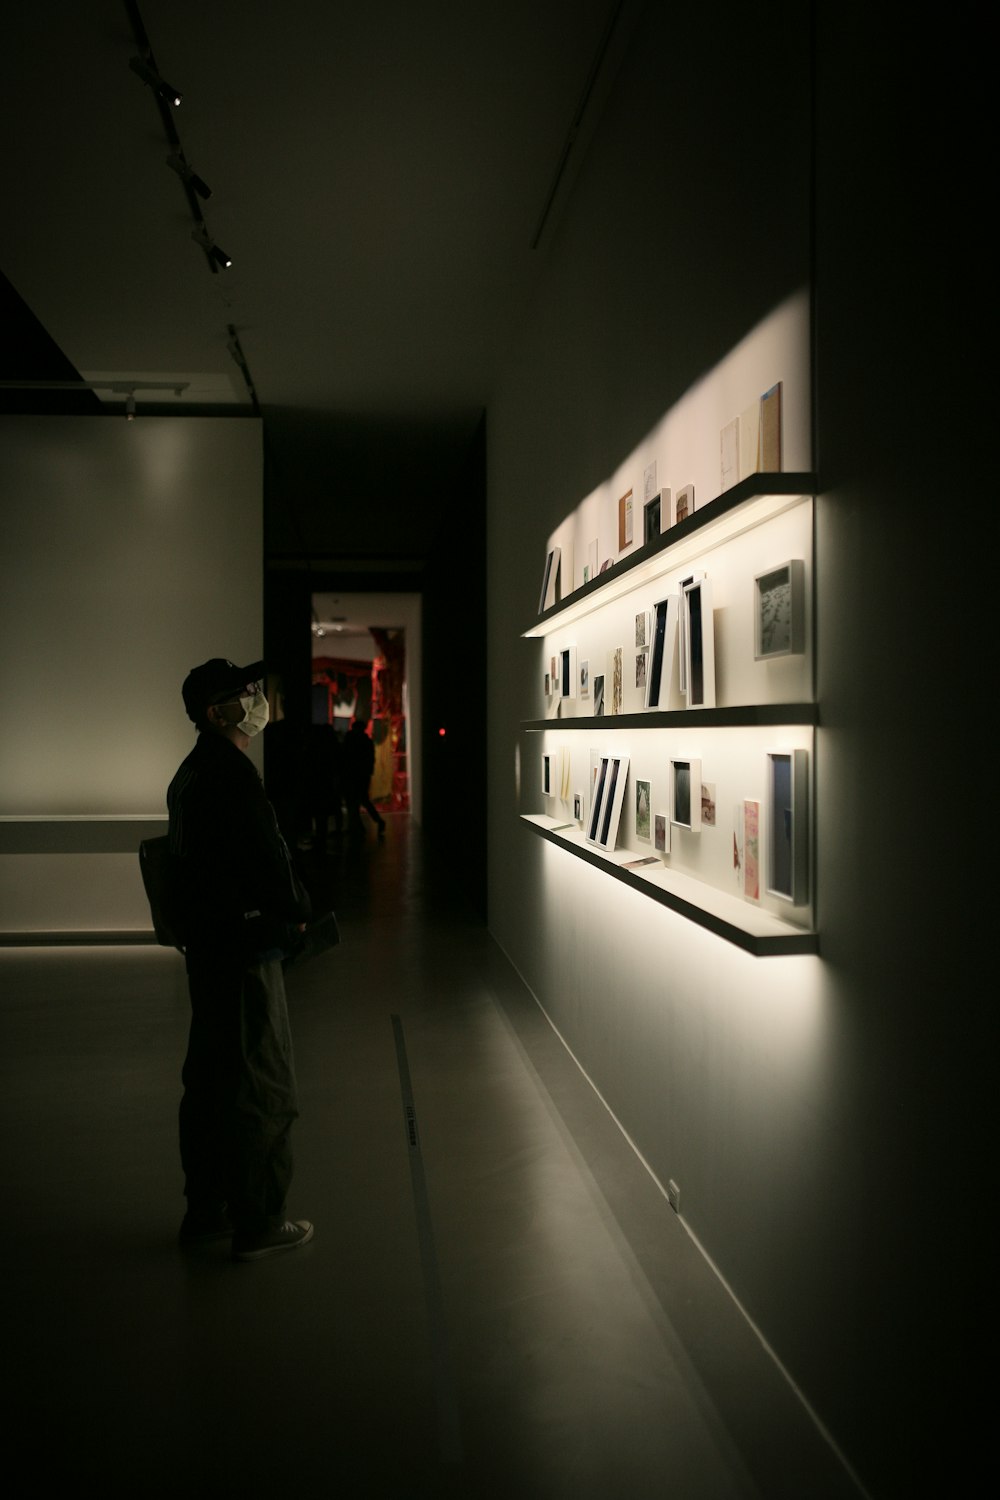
(729, 917)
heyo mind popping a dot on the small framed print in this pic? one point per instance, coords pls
(788, 825)
(608, 799)
(642, 630)
(655, 515)
(547, 788)
(685, 794)
(585, 679)
(598, 695)
(662, 651)
(567, 672)
(641, 658)
(779, 611)
(661, 832)
(625, 521)
(578, 806)
(683, 504)
(550, 581)
(643, 814)
(707, 804)
(554, 673)
(748, 815)
(699, 643)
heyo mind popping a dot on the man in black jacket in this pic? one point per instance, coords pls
(241, 907)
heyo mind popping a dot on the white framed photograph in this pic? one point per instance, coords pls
(661, 832)
(548, 789)
(585, 679)
(550, 581)
(643, 811)
(578, 806)
(683, 505)
(787, 864)
(608, 800)
(685, 794)
(780, 611)
(681, 633)
(656, 516)
(567, 672)
(699, 643)
(662, 651)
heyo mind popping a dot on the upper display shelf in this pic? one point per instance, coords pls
(746, 504)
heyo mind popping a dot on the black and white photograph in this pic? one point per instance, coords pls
(779, 611)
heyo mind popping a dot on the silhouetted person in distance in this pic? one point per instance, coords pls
(324, 787)
(241, 908)
(359, 763)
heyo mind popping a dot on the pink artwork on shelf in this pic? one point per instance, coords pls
(751, 850)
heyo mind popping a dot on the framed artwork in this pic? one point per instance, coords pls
(787, 825)
(770, 430)
(550, 581)
(656, 515)
(683, 504)
(699, 643)
(578, 806)
(681, 633)
(567, 672)
(708, 804)
(640, 670)
(685, 794)
(608, 799)
(585, 679)
(729, 454)
(643, 800)
(642, 629)
(661, 832)
(599, 695)
(547, 776)
(662, 651)
(617, 682)
(780, 611)
(554, 673)
(625, 508)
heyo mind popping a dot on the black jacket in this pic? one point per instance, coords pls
(236, 884)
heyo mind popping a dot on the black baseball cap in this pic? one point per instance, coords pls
(210, 682)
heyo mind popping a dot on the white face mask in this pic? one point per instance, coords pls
(255, 715)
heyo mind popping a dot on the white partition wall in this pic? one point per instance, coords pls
(132, 552)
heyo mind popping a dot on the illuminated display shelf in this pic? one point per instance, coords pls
(747, 504)
(751, 926)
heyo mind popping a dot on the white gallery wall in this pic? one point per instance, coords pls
(803, 1104)
(132, 552)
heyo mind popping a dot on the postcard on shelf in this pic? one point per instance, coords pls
(625, 530)
(635, 864)
(750, 440)
(770, 430)
(749, 842)
(585, 679)
(661, 833)
(683, 504)
(729, 454)
(649, 482)
(641, 661)
(643, 800)
(708, 804)
(617, 679)
(598, 695)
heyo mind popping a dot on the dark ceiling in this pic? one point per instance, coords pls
(381, 175)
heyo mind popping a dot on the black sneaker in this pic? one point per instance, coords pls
(288, 1236)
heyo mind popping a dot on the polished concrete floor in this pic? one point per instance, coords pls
(498, 1301)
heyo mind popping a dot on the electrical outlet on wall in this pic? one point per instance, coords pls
(674, 1196)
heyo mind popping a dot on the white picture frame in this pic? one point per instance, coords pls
(550, 581)
(548, 768)
(567, 673)
(608, 800)
(699, 643)
(662, 651)
(779, 611)
(685, 793)
(787, 861)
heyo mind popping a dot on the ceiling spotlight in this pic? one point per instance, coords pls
(187, 173)
(149, 75)
(211, 249)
